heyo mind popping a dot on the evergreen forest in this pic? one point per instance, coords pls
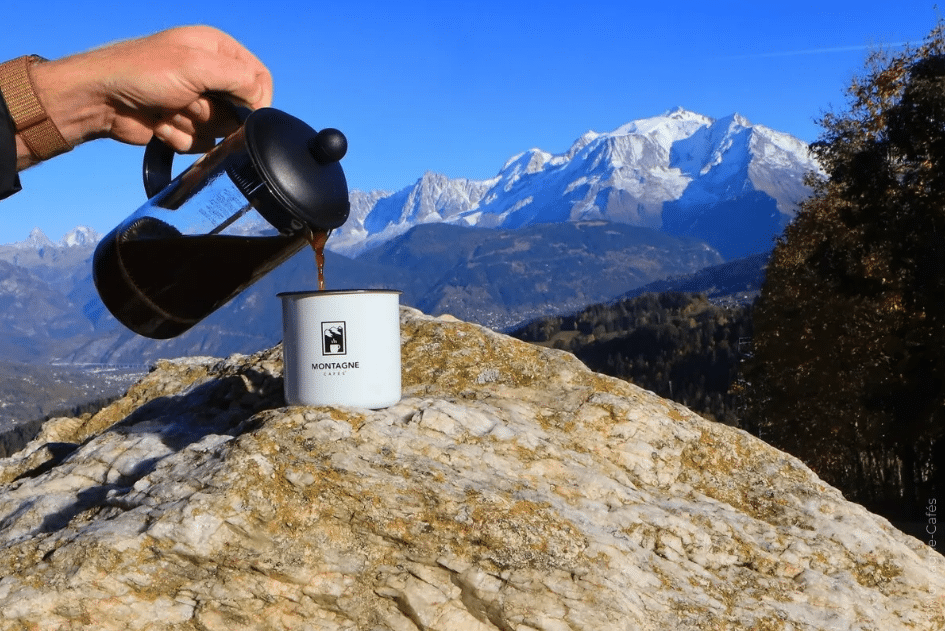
(682, 346)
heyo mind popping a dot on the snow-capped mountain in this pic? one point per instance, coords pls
(80, 236)
(727, 181)
(37, 239)
(53, 262)
(379, 216)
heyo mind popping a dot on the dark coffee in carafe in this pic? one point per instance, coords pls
(157, 282)
(236, 214)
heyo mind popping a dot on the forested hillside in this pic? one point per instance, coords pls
(678, 345)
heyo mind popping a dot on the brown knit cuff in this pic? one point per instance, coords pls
(33, 125)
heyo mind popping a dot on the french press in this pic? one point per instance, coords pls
(234, 215)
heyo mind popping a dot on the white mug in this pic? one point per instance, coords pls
(342, 347)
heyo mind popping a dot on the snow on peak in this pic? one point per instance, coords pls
(682, 114)
(733, 122)
(530, 161)
(667, 128)
(678, 118)
(81, 236)
(35, 241)
(586, 138)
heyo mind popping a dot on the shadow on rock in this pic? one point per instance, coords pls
(219, 406)
(98, 470)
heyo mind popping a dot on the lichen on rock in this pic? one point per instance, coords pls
(511, 489)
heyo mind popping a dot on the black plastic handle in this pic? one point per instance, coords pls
(159, 156)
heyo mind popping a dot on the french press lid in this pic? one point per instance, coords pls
(299, 169)
(289, 172)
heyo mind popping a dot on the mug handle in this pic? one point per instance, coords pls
(159, 156)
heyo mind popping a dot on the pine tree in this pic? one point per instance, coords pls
(849, 351)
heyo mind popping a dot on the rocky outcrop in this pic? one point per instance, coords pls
(511, 489)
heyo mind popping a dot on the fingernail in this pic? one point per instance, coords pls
(164, 131)
(196, 109)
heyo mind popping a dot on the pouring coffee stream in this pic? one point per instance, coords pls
(234, 215)
(318, 241)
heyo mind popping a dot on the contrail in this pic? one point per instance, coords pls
(816, 51)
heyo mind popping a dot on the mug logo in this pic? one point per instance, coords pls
(334, 340)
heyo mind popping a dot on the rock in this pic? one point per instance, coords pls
(511, 489)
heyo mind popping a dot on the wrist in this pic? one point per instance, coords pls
(57, 107)
(72, 103)
(35, 131)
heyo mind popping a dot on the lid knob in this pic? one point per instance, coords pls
(329, 145)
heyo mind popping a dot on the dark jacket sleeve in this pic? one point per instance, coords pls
(9, 179)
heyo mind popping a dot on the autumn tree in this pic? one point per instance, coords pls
(849, 349)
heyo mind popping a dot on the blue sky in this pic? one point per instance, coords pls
(459, 87)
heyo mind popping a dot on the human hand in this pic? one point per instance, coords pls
(160, 85)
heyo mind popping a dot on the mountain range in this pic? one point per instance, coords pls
(658, 197)
(728, 182)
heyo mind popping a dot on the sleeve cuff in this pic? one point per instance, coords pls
(9, 178)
